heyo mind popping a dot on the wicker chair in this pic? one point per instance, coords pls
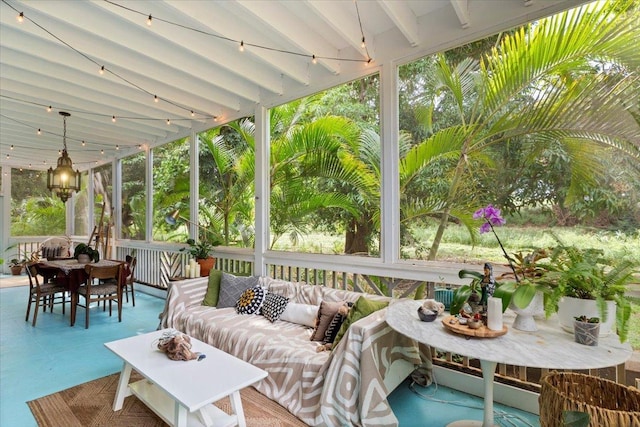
(47, 293)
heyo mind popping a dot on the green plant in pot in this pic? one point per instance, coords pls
(84, 249)
(201, 251)
(586, 330)
(588, 284)
(16, 266)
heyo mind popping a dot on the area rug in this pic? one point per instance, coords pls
(89, 404)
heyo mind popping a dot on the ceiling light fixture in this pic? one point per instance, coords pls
(63, 180)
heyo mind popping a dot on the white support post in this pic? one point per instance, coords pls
(148, 164)
(194, 193)
(262, 136)
(390, 191)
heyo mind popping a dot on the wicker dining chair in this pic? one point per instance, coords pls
(99, 287)
(45, 293)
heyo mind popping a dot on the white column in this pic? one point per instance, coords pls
(148, 164)
(262, 136)
(194, 177)
(390, 191)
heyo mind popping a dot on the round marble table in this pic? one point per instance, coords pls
(548, 347)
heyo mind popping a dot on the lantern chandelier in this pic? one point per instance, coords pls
(63, 180)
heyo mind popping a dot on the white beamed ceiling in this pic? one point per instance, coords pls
(206, 74)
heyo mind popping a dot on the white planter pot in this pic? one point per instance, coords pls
(524, 320)
(569, 308)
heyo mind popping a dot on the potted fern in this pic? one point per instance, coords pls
(588, 284)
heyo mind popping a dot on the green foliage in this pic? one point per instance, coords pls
(587, 274)
(200, 249)
(85, 249)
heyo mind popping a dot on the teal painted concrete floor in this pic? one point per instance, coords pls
(37, 361)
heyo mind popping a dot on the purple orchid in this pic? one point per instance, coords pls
(492, 216)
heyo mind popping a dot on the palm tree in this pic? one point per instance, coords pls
(542, 83)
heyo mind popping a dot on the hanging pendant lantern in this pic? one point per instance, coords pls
(62, 180)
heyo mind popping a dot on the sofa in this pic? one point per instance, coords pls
(346, 385)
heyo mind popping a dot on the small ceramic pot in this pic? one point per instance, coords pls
(474, 323)
(84, 258)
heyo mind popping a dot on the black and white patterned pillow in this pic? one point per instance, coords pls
(273, 306)
(335, 324)
(231, 287)
(251, 300)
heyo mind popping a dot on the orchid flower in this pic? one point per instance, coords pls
(492, 216)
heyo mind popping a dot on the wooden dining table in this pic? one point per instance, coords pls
(71, 273)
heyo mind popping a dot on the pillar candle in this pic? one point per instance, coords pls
(197, 271)
(494, 314)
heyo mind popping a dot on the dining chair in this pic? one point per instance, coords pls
(128, 285)
(104, 283)
(47, 293)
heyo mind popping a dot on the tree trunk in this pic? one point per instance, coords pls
(357, 236)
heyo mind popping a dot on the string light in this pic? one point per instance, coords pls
(363, 45)
(20, 17)
(314, 60)
(49, 109)
(139, 147)
(192, 113)
(101, 70)
(83, 143)
(102, 152)
(155, 98)
(11, 148)
(113, 119)
(117, 147)
(149, 20)
(241, 46)
(39, 131)
(168, 122)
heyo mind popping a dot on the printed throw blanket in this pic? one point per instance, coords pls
(343, 387)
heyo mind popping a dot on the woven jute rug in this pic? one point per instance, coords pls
(90, 404)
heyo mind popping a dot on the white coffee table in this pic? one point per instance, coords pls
(181, 392)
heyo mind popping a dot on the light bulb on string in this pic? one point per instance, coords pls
(101, 70)
(192, 113)
(117, 147)
(83, 143)
(11, 148)
(241, 46)
(155, 98)
(314, 60)
(363, 44)
(49, 108)
(149, 19)
(20, 17)
(39, 132)
(102, 152)
(168, 121)
(113, 119)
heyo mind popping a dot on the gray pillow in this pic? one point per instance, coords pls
(231, 287)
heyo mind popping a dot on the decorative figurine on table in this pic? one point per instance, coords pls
(488, 285)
